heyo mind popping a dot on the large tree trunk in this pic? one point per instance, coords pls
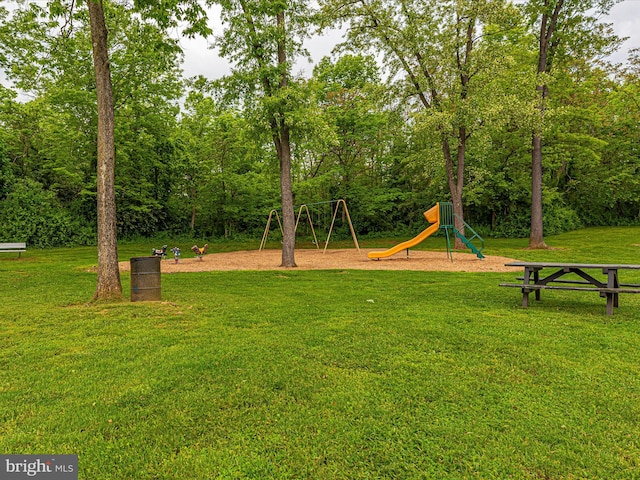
(109, 286)
(283, 147)
(536, 232)
(548, 25)
(536, 235)
(455, 178)
(288, 216)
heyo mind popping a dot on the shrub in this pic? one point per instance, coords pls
(33, 215)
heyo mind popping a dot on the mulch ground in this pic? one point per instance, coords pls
(342, 259)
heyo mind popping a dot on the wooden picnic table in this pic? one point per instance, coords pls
(610, 286)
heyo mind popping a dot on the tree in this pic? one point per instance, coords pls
(61, 19)
(352, 101)
(565, 28)
(605, 188)
(436, 46)
(263, 37)
(147, 85)
(108, 286)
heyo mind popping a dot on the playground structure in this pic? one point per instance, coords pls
(305, 208)
(441, 217)
(200, 251)
(159, 252)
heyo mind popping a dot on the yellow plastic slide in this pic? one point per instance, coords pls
(433, 216)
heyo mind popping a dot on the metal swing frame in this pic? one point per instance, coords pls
(305, 207)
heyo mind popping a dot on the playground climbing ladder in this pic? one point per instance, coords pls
(447, 223)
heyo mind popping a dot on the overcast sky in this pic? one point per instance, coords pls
(626, 21)
(199, 60)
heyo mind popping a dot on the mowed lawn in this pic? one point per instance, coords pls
(324, 374)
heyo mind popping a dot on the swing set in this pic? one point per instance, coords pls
(305, 208)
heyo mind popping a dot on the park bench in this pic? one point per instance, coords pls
(611, 287)
(16, 247)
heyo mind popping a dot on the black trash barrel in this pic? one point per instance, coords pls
(145, 279)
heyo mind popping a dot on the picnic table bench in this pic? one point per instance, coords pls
(610, 286)
(15, 247)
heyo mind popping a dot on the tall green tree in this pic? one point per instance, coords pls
(144, 66)
(565, 28)
(352, 100)
(263, 38)
(57, 26)
(604, 189)
(109, 286)
(435, 45)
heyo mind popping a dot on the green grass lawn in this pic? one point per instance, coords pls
(324, 374)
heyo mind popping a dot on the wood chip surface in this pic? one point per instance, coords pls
(341, 259)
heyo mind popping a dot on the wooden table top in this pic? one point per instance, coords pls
(608, 266)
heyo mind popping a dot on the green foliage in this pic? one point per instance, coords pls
(557, 219)
(356, 155)
(204, 165)
(53, 137)
(6, 172)
(607, 191)
(188, 14)
(220, 182)
(33, 215)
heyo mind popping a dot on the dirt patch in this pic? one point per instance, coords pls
(343, 259)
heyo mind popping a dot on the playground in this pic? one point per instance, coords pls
(398, 257)
(335, 259)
